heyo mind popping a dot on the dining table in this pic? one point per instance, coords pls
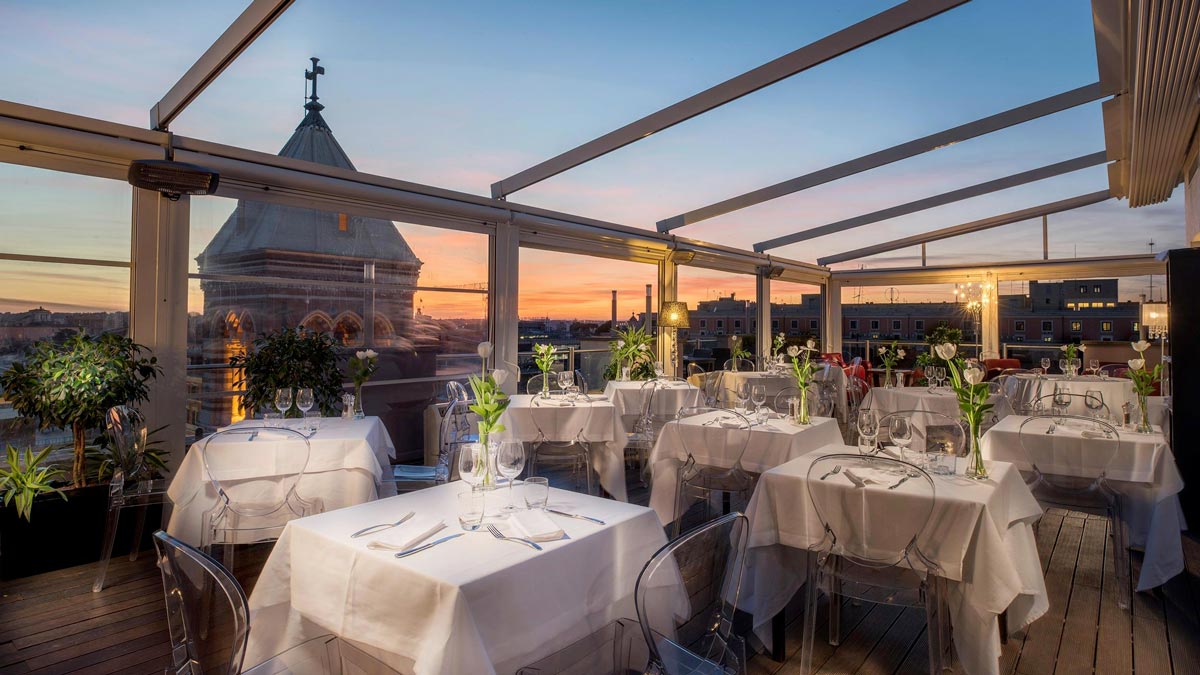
(669, 397)
(1115, 391)
(588, 419)
(347, 462)
(979, 534)
(1143, 472)
(941, 400)
(770, 443)
(473, 604)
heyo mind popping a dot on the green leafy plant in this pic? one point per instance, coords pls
(105, 458)
(966, 378)
(634, 348)
(72, 384)
(803, 370)
(777, 344)
(289, 358)
(737, 349)
(21, 482)
(544, 356)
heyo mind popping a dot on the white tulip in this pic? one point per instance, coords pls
(484, 349)
(901, 353)
(500, 376)
(371, 354)
(1140, 346)
(1063, 348)
(1137, 364)
(1083, 348)
(644, 347)
(812, 344)
(881, 350)
(793, 351)
(360, 355)
(946, 350)
(620, 344)
(973, 374)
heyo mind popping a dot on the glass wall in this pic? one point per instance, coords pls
(64, 267)
(722, 311)
(875, 316)
(796, 311)
(416, 295)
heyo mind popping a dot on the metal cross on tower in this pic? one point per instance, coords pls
(311, 75)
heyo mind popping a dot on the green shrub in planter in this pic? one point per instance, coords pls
(288, 359)
(72, 384)
(22, 481)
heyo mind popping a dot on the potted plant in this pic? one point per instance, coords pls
(631, 350)
(286, 359)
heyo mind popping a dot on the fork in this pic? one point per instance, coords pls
(497, 534)
(836, 469)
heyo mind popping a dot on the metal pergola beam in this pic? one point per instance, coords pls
(968, 228)
(848, 39)
(1027, 270)
(980, 127)
(977, 190)
(255, 19)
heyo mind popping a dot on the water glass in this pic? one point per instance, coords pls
(901, 432)
(471, 463)
(758, 395)
(572, 393)
(536, 491)
(471, 506)
(942, 460)
(742, 393)
(312, 420)
(272, 419)
(1094, 400)
(1094, 365)
(566, 378)
(510, 460)
(1062, 365)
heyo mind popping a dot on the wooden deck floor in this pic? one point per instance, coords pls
(53, 623)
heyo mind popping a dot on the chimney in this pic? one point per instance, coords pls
(646, 321)
(613, 323)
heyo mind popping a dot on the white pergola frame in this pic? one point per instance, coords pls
(160, 227)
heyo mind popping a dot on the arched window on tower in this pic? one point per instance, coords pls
(348, 331)
(318, 322)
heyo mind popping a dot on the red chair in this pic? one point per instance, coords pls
(857, 371)
(834, 358)
(996, 366)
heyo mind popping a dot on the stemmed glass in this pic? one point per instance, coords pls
(758, 395)
(742, 393)
(658, 370)
(868, 431)
(471, 463)
(510, 460)
(901, 432)
(566, 378)
(305, 402)
(1062, 365)
(1094, 365)
(1062, 401)
(1045, 365)
(1094, 400)
(283, 401)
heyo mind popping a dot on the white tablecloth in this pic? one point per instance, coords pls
(980, 534)
(473, 605)
(1116, 391)
(770, 445)
(1143, 472)
(885, 400)
(774, 383)
(346, 462)
(629, 397)
(561, 421)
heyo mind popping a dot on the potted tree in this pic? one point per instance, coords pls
(68, 383)
(288, 359)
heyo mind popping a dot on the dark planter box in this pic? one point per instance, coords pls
(65, 533)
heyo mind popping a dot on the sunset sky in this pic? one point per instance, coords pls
(461, 94)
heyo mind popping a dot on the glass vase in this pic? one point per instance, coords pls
(358, 403)
(1144, 426)
(887, 378)
(800, 413)
(976, 469)
(545, 384)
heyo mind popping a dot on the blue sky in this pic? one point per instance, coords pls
(460, 94)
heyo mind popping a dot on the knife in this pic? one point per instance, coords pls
(576, 515)
(431, 544)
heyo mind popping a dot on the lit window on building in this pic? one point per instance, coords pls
(1082, 289)
(1105, 326)
(1096, 289)
(1076, 326)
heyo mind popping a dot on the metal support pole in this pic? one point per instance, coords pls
(922, 254)
(831, 307)
(158, 309)
(1045, 237)
(669, 350)
(762, 310)
(502, 297)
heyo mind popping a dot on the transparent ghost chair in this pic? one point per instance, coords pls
(714, 440)
(1069, 458)
(201, 596)
(712, 387)
(932, 432)
(255, 472)
(694, 369)
(871, 547)
(742, 365)
(561, 435)
(1022, 391)
(131, 485)
(781, 403)
(454, 432)
(1063, 402)
(652, 417)
(686, 596)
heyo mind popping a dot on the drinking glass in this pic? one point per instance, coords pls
(305, 402)
(1062, 402)
(537, 492)
(742, 393)
(658, 370)
(941, 459)
(510, 460)
(312, 420)
(1045, 365)
(271, 419)
(283, 401)
(901, 432)
(868, 431)
(1094, 400)
(1094, 365)
(572, 393)
(758, 395)
(471, 463)
(1062, 365)
(566, 378)
(471, 507)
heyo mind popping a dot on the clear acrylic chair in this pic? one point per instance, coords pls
(646, 428)
(131, 485)
(931, 432)
(780, 403)
(454, 432)
(569, 447)
(686, 596)
(201, 596)
(1069, 457)
(743, 365)
(255, 471)
(1077, 404)
(726, 435)
(1020, 392)
(870, 551)
(711, 388)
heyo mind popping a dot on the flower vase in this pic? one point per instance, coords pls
(486, 471)
(800, 414)
(1144, 426)
(358, 403)
(976, 469)
(545, 384)
(624, 373)
(887, 378)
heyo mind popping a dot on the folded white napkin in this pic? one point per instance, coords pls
(553, 403)
(733, 424)
(1093, 434)
(597, 397)
(407, 535)
(535, 525)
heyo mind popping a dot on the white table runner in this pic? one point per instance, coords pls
(980, 534)
(471, 605)
(346, 462)
(1143, 471)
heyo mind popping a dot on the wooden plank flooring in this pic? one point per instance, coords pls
(54, 624)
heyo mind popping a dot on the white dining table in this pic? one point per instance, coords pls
(593, 420)
(770, 444)
(1116, 391)
(474, 604)
(980, 534)
(1143, 472)
(885, 400)
(629, 398)
(346, 464)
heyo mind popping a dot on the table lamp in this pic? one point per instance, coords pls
(674, 315)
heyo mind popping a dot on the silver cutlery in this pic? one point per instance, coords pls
(499, 535)
(1050, 429)
(383, 526)
(431, 544)
(898, 483)
(836, 469)
(576, 515)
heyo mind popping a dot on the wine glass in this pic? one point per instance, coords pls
(868, 431)
(1045, 365)
(1062, 402)
(1094, 400)
(742, 393)
(658, 370)
(510, 460)
(472, 458)
(1062, 365)
(566, 378)
(1094, 365)
(758, 395)
(283, 401)
(901, 431)
(305, 402)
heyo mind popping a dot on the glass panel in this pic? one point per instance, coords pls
(723, 305)
(796, 310)
(63, 215)
(873, 317)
